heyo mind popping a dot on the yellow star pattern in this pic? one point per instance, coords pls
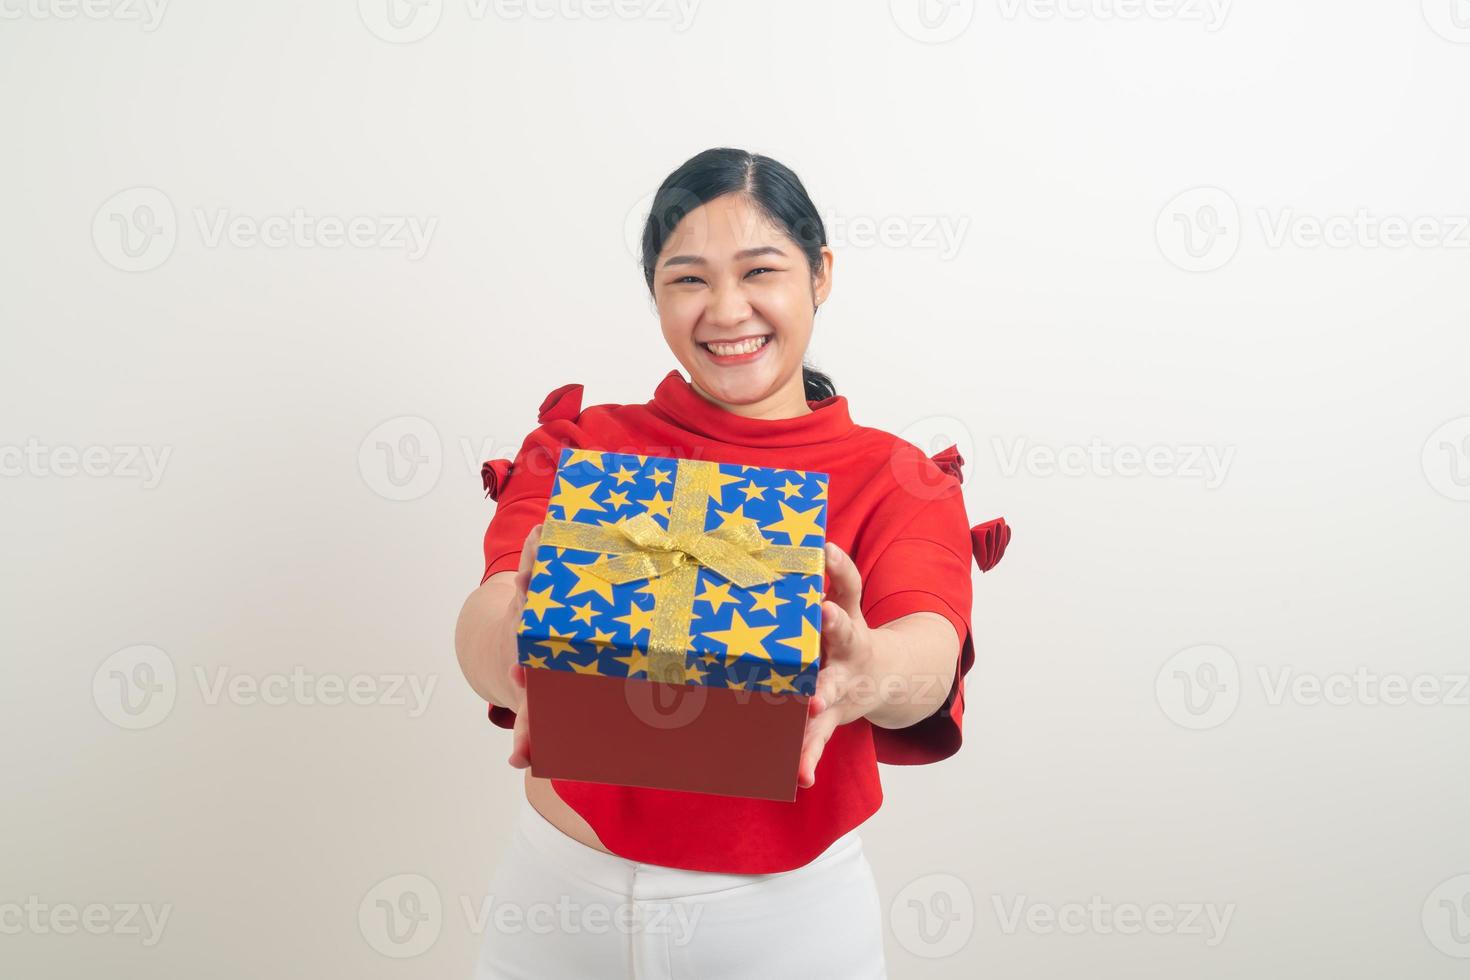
(573, 499)
(749, 654)
(636, 660)
(658, 506)
(779, 682)
(807, 644)
(592, 456)
(767, 601)
(796, 524)
(716, 594)
(539, 602)
(637, 620)
(742, 639)
(557, 642)
(588, 582)
(736, 515)
(753, 491)
(717, 483)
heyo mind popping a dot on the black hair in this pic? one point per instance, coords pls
(770, 186)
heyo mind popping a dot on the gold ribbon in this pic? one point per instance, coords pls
(737, 552)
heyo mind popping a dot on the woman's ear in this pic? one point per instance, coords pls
(822, 278)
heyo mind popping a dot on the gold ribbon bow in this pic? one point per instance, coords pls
(737, 552)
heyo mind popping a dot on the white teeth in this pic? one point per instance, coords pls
(744, 347)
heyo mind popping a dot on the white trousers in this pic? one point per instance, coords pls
(560, 910)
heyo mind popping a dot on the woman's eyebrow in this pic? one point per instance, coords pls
(746, 253)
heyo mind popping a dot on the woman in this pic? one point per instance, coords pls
(698, 885)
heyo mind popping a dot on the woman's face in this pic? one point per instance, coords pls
(728, 276)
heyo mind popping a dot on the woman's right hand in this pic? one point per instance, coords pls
(520, 750)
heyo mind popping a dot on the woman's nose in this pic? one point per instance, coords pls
(728, 306)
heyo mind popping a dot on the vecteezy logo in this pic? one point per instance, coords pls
(633, 223)
(1446, 459)
(1446, 917)
(400, 21)
(401, 916)
(933, 916)
(402, 458)
(665, 706)
(136, 229)
(932, 21)
(1199, 687)
(931, 435)
(1199, 231)
(135, 687)
(678, 208)
(1450, 19)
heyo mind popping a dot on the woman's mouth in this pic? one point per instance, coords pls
(738, 352)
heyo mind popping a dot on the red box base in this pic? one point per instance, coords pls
(665, 736)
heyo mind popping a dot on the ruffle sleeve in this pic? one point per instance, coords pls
(521, 489)
(926, 568)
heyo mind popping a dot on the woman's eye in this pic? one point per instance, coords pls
(683, 279)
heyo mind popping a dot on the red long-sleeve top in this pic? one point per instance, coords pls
(901, 517)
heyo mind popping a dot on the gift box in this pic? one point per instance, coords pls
(672, 623)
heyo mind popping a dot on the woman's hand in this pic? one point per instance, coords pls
(846, 682)
(520, 742)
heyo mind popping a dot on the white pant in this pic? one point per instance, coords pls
(561, 910)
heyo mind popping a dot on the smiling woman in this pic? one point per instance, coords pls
(736, 258)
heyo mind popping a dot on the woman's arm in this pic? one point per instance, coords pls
(895, 675)
(485, 642)
(481, 634)
(914, 663)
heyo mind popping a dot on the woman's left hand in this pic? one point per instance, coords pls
(846, 681)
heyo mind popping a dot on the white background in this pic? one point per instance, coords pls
(1126, 739)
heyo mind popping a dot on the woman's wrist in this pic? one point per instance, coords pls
(485, 643)
(504, 656)
(908, 670)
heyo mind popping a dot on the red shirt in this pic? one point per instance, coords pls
(893, 510)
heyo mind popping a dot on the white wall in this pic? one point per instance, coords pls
(1030, 298)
